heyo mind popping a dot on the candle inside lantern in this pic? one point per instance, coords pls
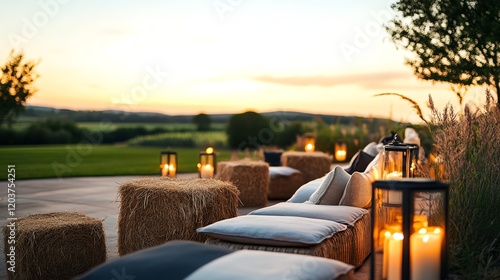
(394, 255)
(207, 171)
(309, 147)
(425, 258)
(168, 170)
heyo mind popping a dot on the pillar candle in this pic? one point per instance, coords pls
(207, 171)
(425, 253)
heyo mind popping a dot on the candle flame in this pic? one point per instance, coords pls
(199, 165)
(171, 167)
(209, 150)
(422, 231)
(398, 236)
(426, 238)
(437, 230)
(387, 234)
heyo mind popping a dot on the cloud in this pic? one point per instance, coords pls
(368, 80)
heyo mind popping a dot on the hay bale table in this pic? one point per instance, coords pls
(251, 178)
(313, 165)
(156, 210)
(57, 245)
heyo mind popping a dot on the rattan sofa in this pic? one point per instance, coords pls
(345, 214)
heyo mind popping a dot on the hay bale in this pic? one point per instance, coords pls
(57, 245)
(251, 178)
(313, 165)
(283, 187)
(156, 210)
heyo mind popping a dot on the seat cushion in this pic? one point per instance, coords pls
(250, 265)
(273, 230)
(341, 214)
(173, 259)
(275, 171)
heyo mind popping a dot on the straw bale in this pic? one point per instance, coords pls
(283, 187)
(156, 210)
(313, 165)
(57, 245)
(250, 177)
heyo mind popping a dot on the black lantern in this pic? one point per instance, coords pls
(168, 163)
(399, 160)
(340, 151)
(411, 244)
(207, 163)
(309, 142)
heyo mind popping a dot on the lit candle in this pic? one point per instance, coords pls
(168, 170)
(207, 171)
(425, 258)
(395, 255)
(309, 147)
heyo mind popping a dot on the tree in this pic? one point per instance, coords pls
(202, 121)
(248, 130)
(16, 86)
(453, 41)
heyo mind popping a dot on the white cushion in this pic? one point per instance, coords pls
(373, 148)
(275, 171)
(331, 189)
(305, 191)
(346, 215)
(273, 230)
(262, 265)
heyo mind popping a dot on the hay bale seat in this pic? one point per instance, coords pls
(282, 187)
(313, 165)
(351, 246)
(250, 177)
(154, 211)
(56, 245)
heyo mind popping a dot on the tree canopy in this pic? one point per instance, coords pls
(248, 130)
(202, 122)
(16, 86)
(453, 41)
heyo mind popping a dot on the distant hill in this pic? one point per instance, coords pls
(41, 113)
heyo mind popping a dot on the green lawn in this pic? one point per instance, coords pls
(53, 161)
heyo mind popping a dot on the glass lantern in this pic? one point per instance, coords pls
(399, 160)
(168, 164)
(340, 151)
(413, 244)
(207, 163)
(309, 143)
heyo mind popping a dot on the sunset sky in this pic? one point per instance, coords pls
(215, 56)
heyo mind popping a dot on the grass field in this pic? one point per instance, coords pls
(52, 161)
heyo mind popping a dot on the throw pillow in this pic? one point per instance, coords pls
(306, 190)
(361, 162)
(358, 192)
(331, 190)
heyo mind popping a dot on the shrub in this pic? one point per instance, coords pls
(469, 145)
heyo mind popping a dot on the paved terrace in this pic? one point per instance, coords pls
(93, 196)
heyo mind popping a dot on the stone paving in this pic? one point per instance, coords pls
(93, 196)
